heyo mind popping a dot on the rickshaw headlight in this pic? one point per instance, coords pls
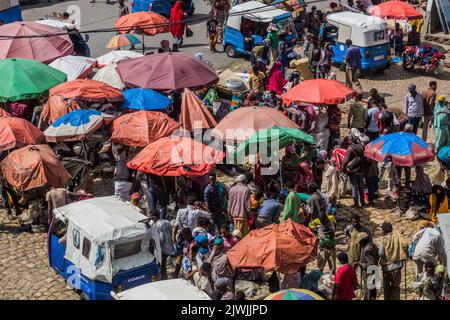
(118, 288)
(367, 54)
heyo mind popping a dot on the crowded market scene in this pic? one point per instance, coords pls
(224, 150)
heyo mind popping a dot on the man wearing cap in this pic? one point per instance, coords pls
(393, 253)
(429, 101)
(219, 260)
(239, 206)
(414, 107)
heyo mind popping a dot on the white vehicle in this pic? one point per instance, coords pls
(102, 245)
(174, 289)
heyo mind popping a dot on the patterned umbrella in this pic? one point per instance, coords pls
(122, 40)
(294, 294)
(406, 149)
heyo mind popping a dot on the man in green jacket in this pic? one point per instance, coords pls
(273, 41)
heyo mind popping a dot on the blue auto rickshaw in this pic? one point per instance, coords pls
(103, 245)
(10, 11)
(247, 25)
(161, 7)
(368, 33)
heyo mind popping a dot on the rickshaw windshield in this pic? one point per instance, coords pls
(285, 24)
(251, 27)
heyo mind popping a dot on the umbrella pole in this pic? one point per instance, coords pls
(281, 179)
(83, 144)
(176, 193)
(143, 44)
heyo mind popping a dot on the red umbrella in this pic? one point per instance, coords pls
(176, 156)
(395, 10)
(89, 90)
(319, 91)
(138, 129)
(43, 49)
(138, 21)
(17, 132)
(194, 114)
(166, 72)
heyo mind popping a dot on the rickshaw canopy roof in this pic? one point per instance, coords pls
(358, 21)
(253, 10)
(104, 218)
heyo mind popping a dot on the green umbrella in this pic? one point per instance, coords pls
(26, 79)
(267, 137)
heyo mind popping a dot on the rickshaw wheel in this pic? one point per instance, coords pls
(231, 52)
(83, 296)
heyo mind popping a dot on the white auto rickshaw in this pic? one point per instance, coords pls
(102, 245)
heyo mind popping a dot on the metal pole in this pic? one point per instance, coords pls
(406, 297)
(143, 43)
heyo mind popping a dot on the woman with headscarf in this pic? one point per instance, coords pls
(441, 124)
(176, 27)
(276, 78)
(438, 202)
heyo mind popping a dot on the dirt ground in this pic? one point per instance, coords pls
(24, 271)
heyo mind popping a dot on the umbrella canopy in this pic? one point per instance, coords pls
(150, 23)
(176, 156)
(42, 49)
(75, 67)
(55, 108)
(88, 90)
(406, 149)
(319, 91)
(17, 133)
(138, 129)
(167, 72)
(242, 123)
(294, 294)
(26, 79)
(265, 137)
(4, 113)
(76, 125)
(283, 247)
(33, 167)
(398, 10)
(145, 99)
(194, 113)
(109, 75)
(122, 40)
(55, 23)
(116, 56)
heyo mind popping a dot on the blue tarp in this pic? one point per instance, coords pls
(11, 15)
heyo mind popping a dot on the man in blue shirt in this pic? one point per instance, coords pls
(373, 130)
(353, 59)
(269, 211)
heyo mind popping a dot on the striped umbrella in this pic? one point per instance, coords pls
(294, 294)
(122, 40)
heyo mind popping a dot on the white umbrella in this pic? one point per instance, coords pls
(55, 23)
(76, 67)
(117, 55)
(109, 75)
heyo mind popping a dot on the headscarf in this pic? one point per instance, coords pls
(176, 16)
(276, 78)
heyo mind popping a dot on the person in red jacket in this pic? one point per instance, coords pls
(176, 27)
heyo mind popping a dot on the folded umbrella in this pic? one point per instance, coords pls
(33, 167)
(139, 129)
(88, 90)
(176, 156)
(145, 99)
(26, 79)
(75, 67)
(17, 133)
(194, 114)
(319, 91)
(406, 149)
(76, 125)
(167, 72)
(18, 43)
(242, 123)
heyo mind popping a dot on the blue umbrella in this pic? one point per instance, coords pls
(145, 99)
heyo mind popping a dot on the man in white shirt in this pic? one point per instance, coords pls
(187, 217)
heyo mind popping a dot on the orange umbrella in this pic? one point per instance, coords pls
(242, 123)
(89, 90)
(17, 132)
(33, 167)
(55, 108)
(319, 91)
(283, 247)
(141, 128)
(395, 10)
(4, 113)
(150, 23)
(194, 113)
(176, 156)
